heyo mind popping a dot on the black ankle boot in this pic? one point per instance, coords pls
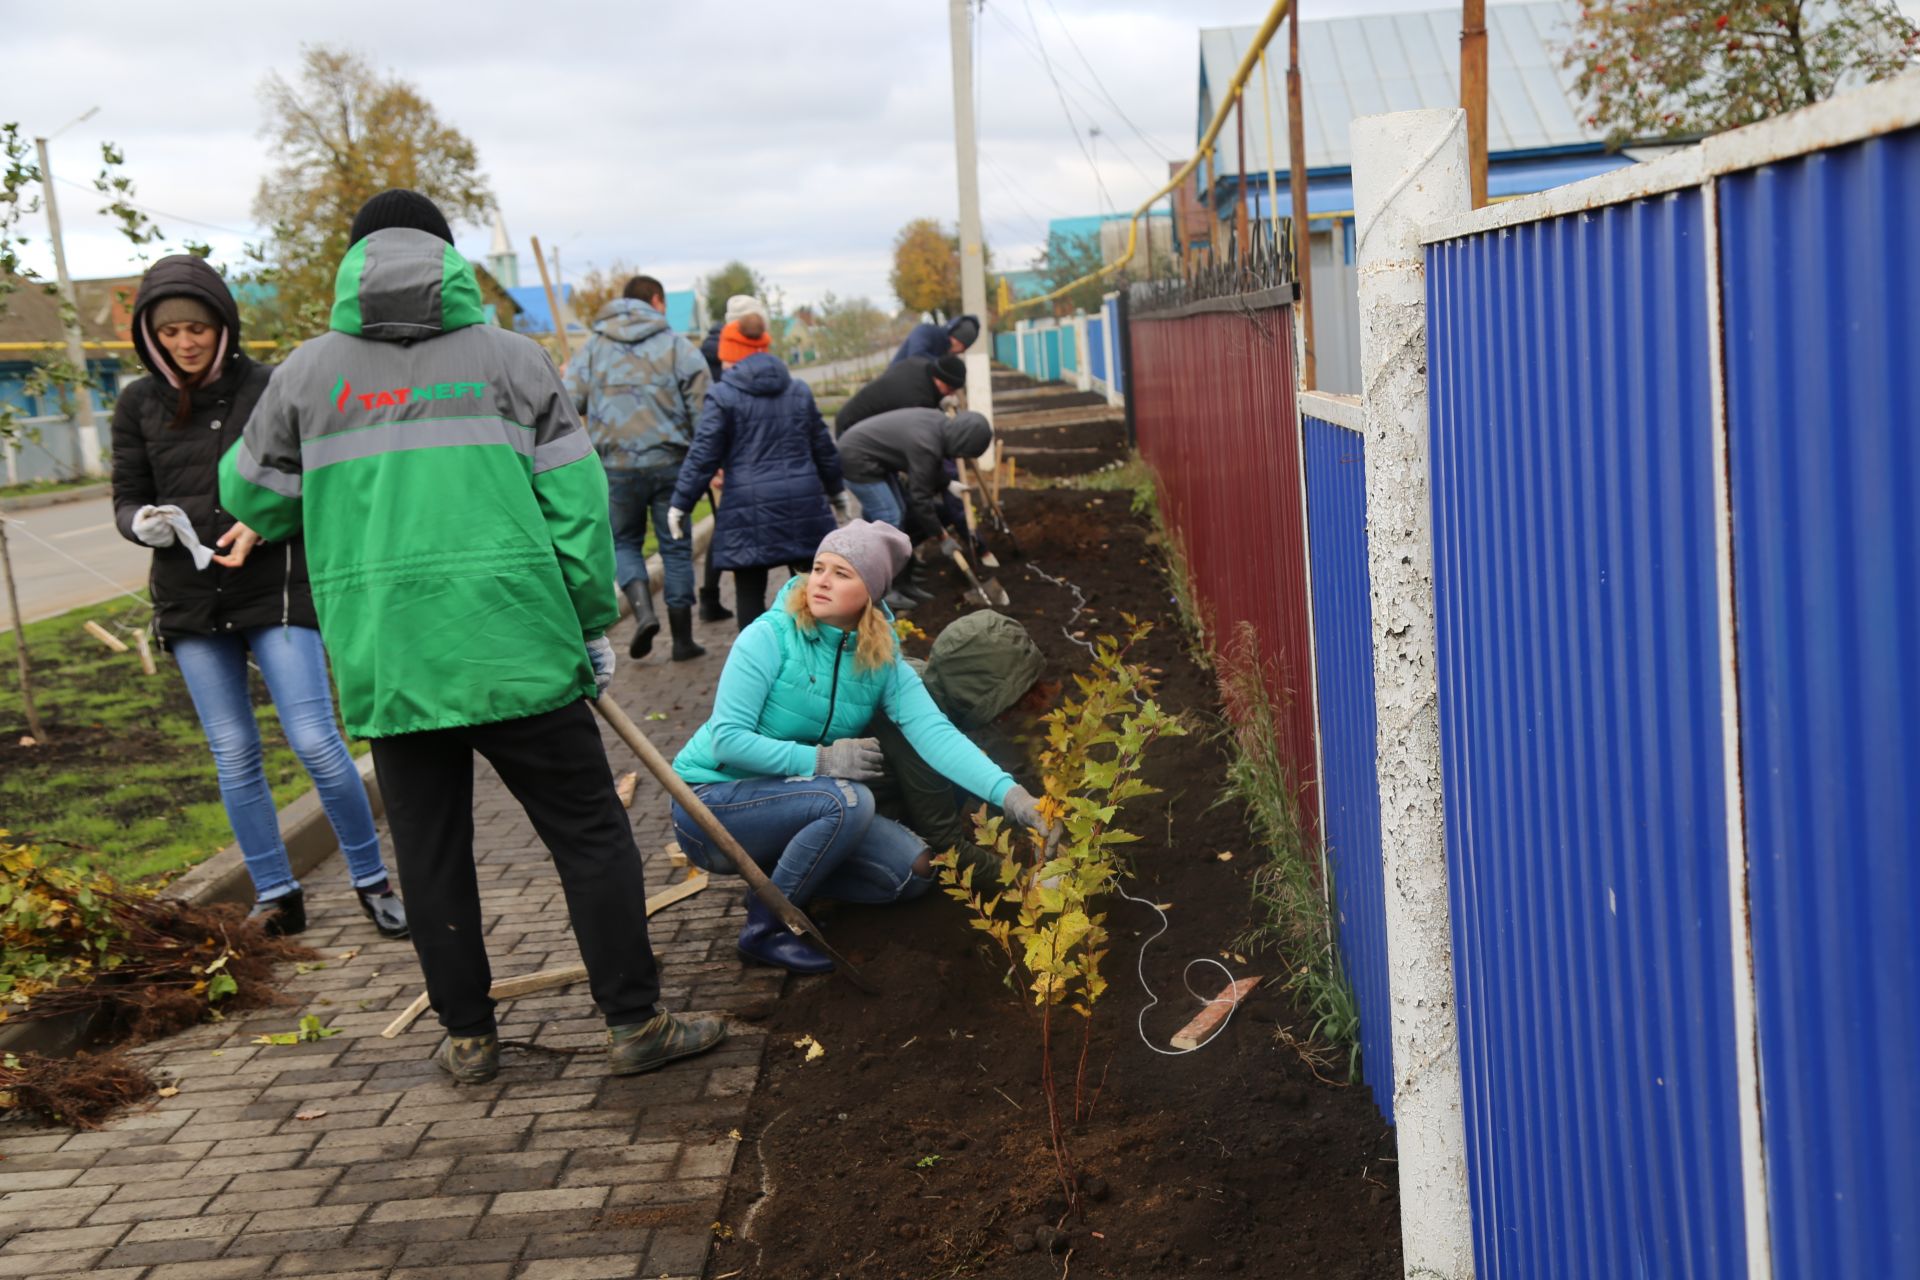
(388, 913)
(680, 622)
(711, 610)
(284, 916)
(646, 623)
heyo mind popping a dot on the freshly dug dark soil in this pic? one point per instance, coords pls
(1106, 436)
(917, 1145)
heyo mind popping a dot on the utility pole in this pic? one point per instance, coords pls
(1297, 182)
(973, 263)
(89, 432)
(1473, 94)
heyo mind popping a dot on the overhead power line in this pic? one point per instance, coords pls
(1159, 152)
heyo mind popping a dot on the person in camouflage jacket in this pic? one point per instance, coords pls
(639, 386)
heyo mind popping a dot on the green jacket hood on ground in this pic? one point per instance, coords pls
(980, 666)
(454, 509)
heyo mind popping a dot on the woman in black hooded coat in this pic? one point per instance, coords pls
(217, 606)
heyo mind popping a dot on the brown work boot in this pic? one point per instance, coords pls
(650, 1045)
(469, 1059)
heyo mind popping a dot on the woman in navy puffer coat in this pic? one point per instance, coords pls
(761, 425)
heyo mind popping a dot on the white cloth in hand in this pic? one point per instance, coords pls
(958, 488)
(676, 523)
(164, 526)
(600, 654)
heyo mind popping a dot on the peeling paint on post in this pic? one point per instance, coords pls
(1410, 168)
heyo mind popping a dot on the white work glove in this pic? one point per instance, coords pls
(857, 759)
(958, 488)
(600, 654)
(151, 526)
(842, 504)
(1020, 805)
(676, 523)
(948, 547)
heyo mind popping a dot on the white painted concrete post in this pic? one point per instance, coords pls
(1110, 337)
(1082, 357)
(1410, 168)
(1020, 345)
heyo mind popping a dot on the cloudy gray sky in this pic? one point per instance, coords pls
(668, 135)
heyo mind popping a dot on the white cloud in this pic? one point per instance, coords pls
(797, 137)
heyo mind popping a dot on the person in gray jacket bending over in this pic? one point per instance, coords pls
(895, 464)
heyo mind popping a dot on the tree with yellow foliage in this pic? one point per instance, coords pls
(926, 268)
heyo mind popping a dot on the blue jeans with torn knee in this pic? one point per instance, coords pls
(812, 836)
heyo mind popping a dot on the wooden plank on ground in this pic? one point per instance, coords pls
(547, 979)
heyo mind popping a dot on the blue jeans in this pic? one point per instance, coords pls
(812, 836)
(295, 667)
(631, 495)
(880, 501)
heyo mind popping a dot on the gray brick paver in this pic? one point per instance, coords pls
(407, 1175)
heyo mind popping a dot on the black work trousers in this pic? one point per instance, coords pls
(555, 766)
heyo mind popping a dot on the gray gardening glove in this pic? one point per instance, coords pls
(857, 759)
(1020, 805)
(151, 526)
(600, 653)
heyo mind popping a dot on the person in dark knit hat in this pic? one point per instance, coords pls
(784, 759)
(935, 340)
(217, 612)
(914, 383)
(456, 513)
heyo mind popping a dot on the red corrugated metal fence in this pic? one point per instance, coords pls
(1212, 390)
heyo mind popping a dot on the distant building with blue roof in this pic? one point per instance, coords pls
(1537, 134)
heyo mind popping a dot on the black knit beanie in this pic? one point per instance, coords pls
(399, 208)
(951, 370)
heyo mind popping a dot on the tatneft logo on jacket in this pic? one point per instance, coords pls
(343, 392)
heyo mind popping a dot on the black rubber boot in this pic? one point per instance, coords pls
(646, 624)
(680, 622)
(711, 610)
(283, 916)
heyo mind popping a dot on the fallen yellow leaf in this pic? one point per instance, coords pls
(167, 1092)
(1225, 855)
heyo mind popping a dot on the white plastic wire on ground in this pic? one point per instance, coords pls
(1140, 1022)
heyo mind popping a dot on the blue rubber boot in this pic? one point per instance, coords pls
(765, 940)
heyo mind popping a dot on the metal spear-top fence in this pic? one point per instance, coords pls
(1264, 277)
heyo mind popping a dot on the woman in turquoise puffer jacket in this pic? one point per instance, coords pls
(781, 763)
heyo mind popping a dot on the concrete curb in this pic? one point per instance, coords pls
(29, 501)
(309, 838)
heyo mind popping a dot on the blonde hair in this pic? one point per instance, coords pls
(876, 646)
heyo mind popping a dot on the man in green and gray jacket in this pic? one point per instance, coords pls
(455, 515)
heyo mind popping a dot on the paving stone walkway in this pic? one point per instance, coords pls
(555, 1171)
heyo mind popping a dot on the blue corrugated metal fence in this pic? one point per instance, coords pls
(1581, 740)
(1823, 387)
(1343, 669)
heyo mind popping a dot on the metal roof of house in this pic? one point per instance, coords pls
(1399, 62)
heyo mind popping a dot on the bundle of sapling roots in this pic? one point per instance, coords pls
(136, 965)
